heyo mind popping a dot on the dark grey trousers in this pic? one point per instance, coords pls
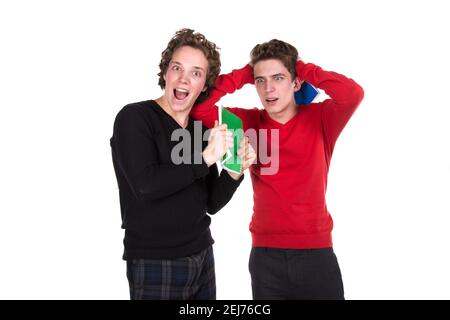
(295, 274)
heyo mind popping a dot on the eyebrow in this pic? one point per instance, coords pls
(195, 67)
(272, 76)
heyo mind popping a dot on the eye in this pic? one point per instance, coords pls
(176, 67)
(279, 78)
(259, 81)
(197, 74)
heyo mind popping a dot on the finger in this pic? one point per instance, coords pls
(242, 149)
(252, 153)
(250, 149)
(211, 135)
(221, 128)
(227, 139)
(224, 135)
(230, 142)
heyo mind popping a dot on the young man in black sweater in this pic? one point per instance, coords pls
(164, 193)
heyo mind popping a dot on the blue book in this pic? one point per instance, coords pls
(306, 94)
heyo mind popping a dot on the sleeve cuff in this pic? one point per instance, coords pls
(300, 68)
(229, 181)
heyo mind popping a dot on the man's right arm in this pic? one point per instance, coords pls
(137, 156)
(206, 111)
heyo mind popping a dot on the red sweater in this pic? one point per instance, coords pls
(289, 207)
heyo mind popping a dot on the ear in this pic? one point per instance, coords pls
(297, 84)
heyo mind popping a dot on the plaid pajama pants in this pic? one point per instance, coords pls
(190, 278)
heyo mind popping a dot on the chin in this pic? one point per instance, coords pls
(273, 109)
(180, 105)
(180, 108)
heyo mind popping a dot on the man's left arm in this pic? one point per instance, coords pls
(345, 96)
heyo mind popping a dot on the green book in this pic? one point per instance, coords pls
(231, 160)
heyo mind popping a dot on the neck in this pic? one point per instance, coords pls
(181, 117)
(285, 115)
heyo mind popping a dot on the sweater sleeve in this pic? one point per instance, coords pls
(220, 189)
(206, 111)
(137, 156)
(345, 96)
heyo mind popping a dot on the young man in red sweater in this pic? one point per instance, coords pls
(292, 255)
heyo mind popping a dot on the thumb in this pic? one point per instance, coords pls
(216, 123)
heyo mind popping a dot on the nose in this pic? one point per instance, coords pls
(184, 78)
(268, 87)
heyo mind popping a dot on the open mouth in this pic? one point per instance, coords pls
(271, 100)
(180, 94)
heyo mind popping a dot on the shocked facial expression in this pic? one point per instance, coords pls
(185, 78)
(275, 87)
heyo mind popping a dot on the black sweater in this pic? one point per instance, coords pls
(163, 205)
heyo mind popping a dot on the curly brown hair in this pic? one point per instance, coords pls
(187, 37)
(276, 49)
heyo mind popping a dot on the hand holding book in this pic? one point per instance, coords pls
(247, 155)
(220, 141)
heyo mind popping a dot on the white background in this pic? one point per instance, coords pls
(68, 67)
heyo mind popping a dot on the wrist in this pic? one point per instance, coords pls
(248, 74)
(234, 176)
(208, 158)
